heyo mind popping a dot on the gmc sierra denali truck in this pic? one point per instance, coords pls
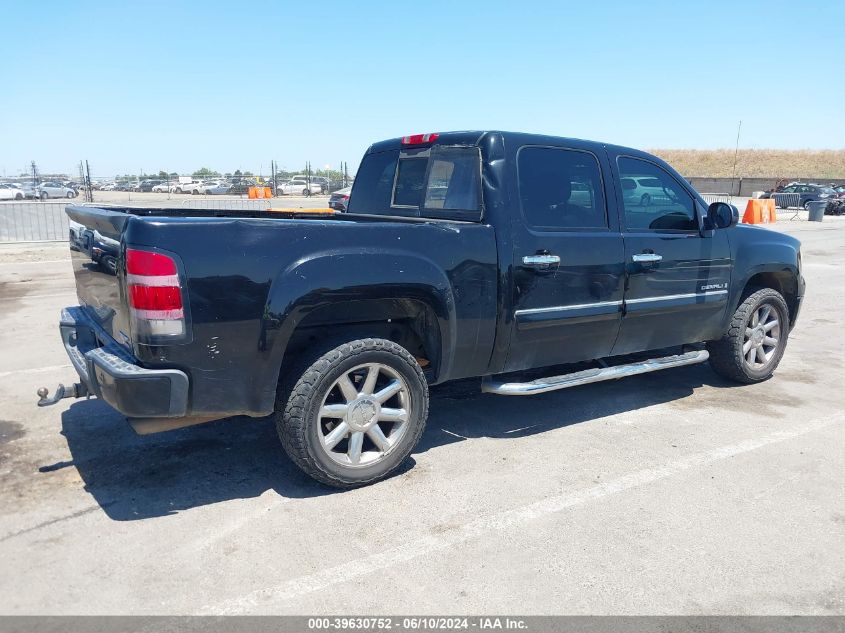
(462, 254)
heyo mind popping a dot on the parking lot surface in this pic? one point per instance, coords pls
(669, 493)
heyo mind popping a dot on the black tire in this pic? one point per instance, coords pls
(109, 264)
(807, 205)
(44, 195)
(70, 194)
(19, 196)
(726, 355)
(645, 200)
(306, 192)
(299, 425)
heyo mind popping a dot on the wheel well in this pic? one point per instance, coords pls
(782, 281)
(407, 322)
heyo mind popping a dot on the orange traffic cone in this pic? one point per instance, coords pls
(760, 212)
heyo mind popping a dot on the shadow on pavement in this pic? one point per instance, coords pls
(136, 477)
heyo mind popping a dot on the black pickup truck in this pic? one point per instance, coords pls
(462, 254)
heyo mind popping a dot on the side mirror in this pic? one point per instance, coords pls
(721, 215)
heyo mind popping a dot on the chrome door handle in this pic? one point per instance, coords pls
(647, 258)
(540, 260)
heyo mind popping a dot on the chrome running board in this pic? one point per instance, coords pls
(491, 384)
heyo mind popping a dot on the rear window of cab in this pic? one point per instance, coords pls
(443, 182)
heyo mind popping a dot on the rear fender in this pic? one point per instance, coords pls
(333, 277)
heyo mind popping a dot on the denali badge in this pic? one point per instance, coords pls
(714, 286)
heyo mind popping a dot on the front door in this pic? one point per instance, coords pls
(568, 259)
(677, 274)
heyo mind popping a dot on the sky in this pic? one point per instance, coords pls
(175, 86)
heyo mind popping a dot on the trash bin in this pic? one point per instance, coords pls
(816, 209)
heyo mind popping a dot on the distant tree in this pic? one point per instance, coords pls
(205, 172)
(238, 172)
(173, 174)
(162, 174)
(248, 173)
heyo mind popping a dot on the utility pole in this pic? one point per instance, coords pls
(89, 190)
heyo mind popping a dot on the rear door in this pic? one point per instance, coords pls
(567, 258)
(677, 275)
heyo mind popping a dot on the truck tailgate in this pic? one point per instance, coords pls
(95, 255)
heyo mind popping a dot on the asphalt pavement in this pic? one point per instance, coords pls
(669, 493)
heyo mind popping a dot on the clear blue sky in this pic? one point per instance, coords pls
(179, 85)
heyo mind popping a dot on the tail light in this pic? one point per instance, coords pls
(419, 139)
(155, 295)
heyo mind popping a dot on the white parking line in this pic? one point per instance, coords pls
(425, 544)
(66, 293)
(33, 370)
(46, 261)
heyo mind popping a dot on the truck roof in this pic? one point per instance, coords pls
(475, 137)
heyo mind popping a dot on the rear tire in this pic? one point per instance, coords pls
(354, 414)
(44, 195)
(754, 344)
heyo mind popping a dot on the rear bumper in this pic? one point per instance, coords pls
(112, 374)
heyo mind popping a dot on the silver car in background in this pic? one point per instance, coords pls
(55, 190)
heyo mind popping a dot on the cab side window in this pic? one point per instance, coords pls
(653, 199)
(560, 189)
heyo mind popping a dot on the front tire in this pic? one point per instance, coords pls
(751, 349)
(355, 414)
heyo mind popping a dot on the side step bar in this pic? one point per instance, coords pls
(541, 385)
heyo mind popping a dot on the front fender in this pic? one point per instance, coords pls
(758, 250)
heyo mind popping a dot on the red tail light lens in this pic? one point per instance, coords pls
(147, 263)
(155, 295)
(155, 298)
(419, 139)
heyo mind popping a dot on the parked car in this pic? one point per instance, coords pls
(241, 186)
(8, 192)
(338, 327)
(163, 187)
(214, 187)
(642, 190)
(55, 190)
(299, 187)
(840, 191)
(188, 187)
(29, 190)
(323, 182)
(806, 194)
(340, 199)
(149, 185)
(125, 186)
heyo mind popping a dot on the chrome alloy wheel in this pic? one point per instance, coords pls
(762, 337)
(364, 415)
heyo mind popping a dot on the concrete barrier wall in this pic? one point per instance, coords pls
(744, 186)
